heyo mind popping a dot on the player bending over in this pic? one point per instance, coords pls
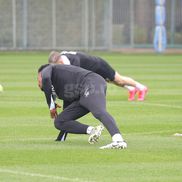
(85, 90)
(101, 67)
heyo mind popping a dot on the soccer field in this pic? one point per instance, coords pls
(29, 153)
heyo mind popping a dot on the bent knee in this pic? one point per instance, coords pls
(99, 114)
(58, 124)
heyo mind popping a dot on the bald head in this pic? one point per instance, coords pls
(53, 57)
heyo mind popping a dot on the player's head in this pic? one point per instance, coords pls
(53, 57)
(42, 67)
(40, 76)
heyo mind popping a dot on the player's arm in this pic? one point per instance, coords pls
(47, 88)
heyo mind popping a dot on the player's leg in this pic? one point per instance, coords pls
(66, 121)
(96, 103)
(132, 85)
(62, 134)
(110, 75)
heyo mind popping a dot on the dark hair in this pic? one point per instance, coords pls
(42, 67)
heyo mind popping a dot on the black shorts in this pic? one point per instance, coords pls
(106, 71)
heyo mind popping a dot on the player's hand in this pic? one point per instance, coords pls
(53, 113)
(57, 106)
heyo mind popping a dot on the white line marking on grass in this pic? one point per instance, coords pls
(151, 133)
(162, 105)
(146, 103)
(26, 139)
(178, 134)
(42, 175)
(149, 104)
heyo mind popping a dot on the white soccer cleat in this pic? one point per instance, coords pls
(115, 145)
(95, 134)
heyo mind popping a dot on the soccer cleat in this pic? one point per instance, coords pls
(62, 136)
(95, 134)
(132, 93)
(115, 145)
(142, 94)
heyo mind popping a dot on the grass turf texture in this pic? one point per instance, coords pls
(29, 153)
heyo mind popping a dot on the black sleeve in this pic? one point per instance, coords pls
(47, 86)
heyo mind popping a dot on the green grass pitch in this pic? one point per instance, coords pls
(29, 153)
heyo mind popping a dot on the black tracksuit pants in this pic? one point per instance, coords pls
(92, 99)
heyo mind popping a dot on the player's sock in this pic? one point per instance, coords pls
(139, 86)
(130, 88)
(90, 129)
(117, 137)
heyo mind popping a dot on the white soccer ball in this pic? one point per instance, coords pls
(1, 88)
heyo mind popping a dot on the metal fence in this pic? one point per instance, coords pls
(85, 24)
